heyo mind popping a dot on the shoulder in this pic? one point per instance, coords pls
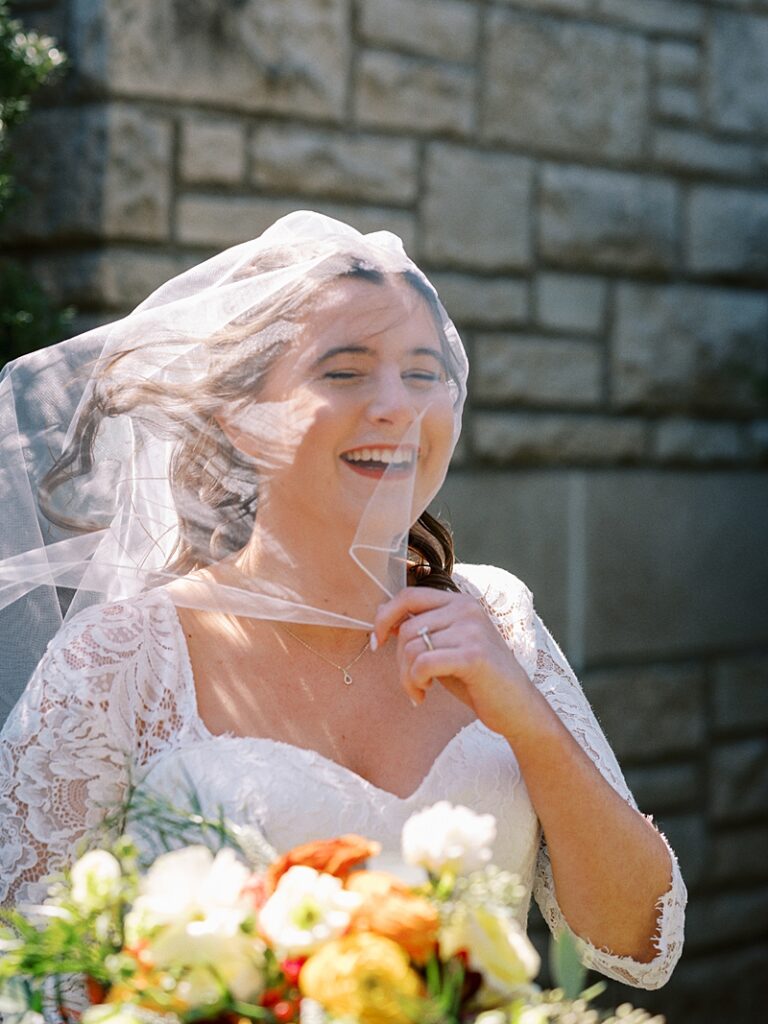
(495, 587)
(509, 603)
(105, 640)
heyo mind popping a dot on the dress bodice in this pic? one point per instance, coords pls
(114, 699)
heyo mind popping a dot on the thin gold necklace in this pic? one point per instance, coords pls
(344, 669)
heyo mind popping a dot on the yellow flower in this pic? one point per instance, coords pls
(366, 977)
(496, 945)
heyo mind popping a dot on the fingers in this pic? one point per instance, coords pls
(427, 668)
(410, 601)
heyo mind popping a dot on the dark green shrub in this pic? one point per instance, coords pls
(28, 60)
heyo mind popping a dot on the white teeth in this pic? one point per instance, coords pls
(384, 455)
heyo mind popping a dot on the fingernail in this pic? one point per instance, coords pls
(374, 642)
(413, 703)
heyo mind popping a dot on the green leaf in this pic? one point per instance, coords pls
(568, 972)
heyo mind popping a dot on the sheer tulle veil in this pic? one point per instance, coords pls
(151, 451)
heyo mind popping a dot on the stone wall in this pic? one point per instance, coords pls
(586, 182)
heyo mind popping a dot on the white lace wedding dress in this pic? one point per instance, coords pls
(115, 688)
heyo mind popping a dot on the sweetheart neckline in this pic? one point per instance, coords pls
(209, 736)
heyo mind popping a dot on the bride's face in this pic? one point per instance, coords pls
(361, 396)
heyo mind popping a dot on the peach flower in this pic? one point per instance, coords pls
(390, 909)
(331, 856)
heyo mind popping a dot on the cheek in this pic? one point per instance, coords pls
(437, 428)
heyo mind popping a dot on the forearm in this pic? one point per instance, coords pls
(610, 866)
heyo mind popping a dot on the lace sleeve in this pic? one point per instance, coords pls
(64, 756)
(511, 605)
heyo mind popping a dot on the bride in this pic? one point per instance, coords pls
(262, 604)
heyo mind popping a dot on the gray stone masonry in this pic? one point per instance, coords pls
(727, 232)
(604, 219)
(476, 209)
(685, 347)
(536, 371)
(586, 183)
(335, 164)
(591, 96)
(627, 702)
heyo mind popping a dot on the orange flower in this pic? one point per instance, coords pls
(390, 909)
(333, 856)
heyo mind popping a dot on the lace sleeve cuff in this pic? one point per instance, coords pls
(668, 939)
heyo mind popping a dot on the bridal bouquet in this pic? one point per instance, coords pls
(315, 936)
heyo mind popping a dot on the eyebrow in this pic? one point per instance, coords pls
(366, 351)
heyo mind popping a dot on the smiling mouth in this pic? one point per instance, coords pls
(375, 462)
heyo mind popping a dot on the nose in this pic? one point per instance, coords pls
(391, 402)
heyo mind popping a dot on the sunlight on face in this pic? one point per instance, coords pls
(363, 395)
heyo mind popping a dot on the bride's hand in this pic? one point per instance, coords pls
(468, 655)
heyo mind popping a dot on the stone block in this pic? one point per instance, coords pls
(219, 221)
(482, 301)
(212, 151)
(557, 439)
(727, 919)
(677, 102)
(334, 164)
(688, 150)
(536, 371)
(607, 219)
(516, 520)
(728, 231)
(563, 86)
(740, 855)
(568, 302)
(721, 985)
(444, 29)
(117, 279)
(672, 16)
(684, 441)
(660, 788)
(395, 91)
(689, 347)
(93, 171)
(476, 208)
(739, 779)
(558, 6)
(758, 436)
(649, 711)
(677, 564)
(60, 157)
(740, 693)
(137, 187)
(738, 71)
(289, 57)
(677, 62)
(688, 837)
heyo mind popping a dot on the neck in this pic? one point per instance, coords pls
(317, 573)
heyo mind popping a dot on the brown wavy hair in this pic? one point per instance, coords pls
(214, 485)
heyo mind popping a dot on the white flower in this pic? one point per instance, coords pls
(184, 884)
(496, 946)
(307, 908)
(443, 836)
(112, 1013)
(96, 879)
(190, 912)
(213, 948)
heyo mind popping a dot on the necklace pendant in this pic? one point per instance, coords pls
(347, 677)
